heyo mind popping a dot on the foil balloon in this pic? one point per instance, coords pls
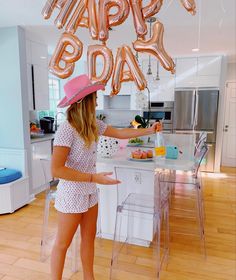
(189, 5)
(62, 62)
(65, 7)
(154, 46)
(78, 18)
(106, 53)
(138, 18)
(125, 56)
(140, 13)
(106, 20)
(152, 8)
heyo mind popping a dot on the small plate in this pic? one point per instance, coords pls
(141, 159)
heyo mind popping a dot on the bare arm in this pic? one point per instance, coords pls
(126, 133)
(59, 170)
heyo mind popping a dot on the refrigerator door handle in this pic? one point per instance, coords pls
(193, 110)
(196, 109)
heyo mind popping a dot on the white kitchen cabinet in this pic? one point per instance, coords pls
(28, 52)
(186, 72)
(41, 88)
(30, 87)
(37, 76)
(164, 90)
(208, 71)
(39, 54)
(39, 150)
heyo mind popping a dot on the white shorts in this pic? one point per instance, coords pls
(75, 204)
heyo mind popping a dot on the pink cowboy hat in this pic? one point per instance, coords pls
(77, 88)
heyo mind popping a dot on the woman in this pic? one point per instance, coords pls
(74, 162)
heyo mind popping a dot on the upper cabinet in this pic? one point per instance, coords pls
(37, 74)
(186, 72)
(203, 71)
(209, 71)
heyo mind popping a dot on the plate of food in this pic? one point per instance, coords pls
(141, 155)
(135, 142)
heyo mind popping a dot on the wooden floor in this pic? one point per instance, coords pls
(20, 238)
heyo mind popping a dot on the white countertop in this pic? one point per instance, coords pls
(121, 158)
(45, 137)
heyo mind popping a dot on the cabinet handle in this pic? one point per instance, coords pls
(33, 89)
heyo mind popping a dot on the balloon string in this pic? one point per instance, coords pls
(199, 22)
(223, 10)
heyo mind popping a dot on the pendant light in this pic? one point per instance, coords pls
(157, 75)
(149, 74)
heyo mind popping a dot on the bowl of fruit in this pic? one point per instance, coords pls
(35, 131)
(141, 155)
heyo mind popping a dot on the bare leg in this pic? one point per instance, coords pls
(67, 226)
(88, 233)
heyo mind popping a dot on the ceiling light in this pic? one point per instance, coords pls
(196, 50)
(43, 57)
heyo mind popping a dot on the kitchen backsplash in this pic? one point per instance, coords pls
(118, 118)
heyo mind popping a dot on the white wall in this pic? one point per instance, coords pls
(14, 110)
(13, 89)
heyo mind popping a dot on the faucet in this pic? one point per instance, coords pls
(56, 116)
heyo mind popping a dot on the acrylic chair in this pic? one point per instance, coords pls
(201, 141)
(192, 178)
(142, 207)
(50, 197)
(184, 142)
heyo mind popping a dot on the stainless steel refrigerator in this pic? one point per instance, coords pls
(195, 110)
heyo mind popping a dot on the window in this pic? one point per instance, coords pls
(54, 93)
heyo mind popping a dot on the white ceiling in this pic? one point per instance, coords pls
(216, 18)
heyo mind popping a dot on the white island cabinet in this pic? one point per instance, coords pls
(108, 196)
(140, 174)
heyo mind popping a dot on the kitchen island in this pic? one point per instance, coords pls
(140, 173)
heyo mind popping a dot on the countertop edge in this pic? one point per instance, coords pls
(46, 137)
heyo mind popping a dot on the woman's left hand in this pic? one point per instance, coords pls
(157, 126)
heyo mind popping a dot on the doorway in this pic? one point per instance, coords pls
(229, 131)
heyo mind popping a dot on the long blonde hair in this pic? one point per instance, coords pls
(82, 117)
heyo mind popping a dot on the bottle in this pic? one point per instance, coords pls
(160, 149)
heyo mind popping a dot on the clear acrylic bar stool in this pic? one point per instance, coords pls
(50, 197)
(142, 207)
(192, 178)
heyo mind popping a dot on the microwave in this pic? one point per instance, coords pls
(161, 111)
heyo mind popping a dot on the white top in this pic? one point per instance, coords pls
(80, 158)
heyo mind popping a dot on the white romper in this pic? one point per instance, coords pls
(71, 196)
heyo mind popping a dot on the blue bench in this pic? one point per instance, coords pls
(8, 175)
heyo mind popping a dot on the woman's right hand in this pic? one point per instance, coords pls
(103, 178)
